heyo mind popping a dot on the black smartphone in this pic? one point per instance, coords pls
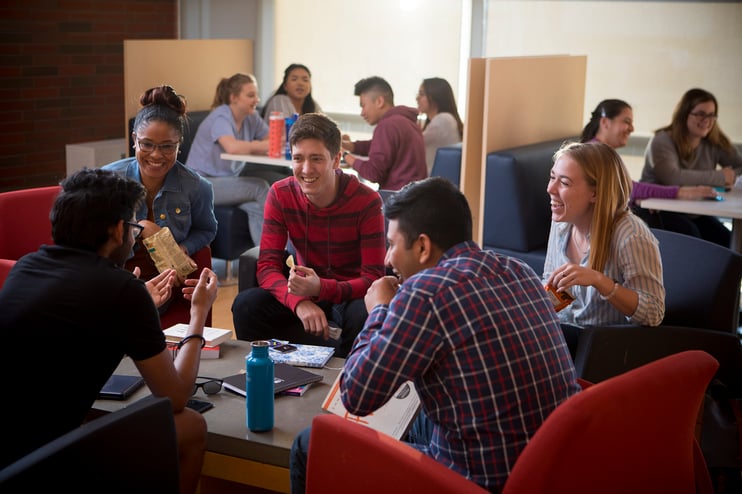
(199, 405)
(285, 348)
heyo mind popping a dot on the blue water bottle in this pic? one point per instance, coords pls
(259, 377)
(290, 120)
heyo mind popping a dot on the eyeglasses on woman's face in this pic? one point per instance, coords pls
(166, 148)
(703, 116)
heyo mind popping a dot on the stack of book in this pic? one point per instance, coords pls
(214, 337)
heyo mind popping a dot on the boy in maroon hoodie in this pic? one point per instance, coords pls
(336, 227)
(396, 151)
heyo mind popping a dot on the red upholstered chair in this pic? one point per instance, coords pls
(349, 457)
(5, 266)
(25, 226)
(24, 220)
(179, 310)
(631, 433)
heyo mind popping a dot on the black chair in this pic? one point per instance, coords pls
(607, 351)
(130, 450)
(232, 237)
(702, 282)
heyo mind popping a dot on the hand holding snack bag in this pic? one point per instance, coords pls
(559, 299)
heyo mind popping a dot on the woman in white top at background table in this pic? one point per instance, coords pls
(294, 95)
(443, 125)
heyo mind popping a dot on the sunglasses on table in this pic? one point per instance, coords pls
(209, 385)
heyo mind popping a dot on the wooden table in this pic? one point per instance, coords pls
(257, 159)
(233, 452)
(730, 207)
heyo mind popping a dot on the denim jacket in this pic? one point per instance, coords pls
(185, 203)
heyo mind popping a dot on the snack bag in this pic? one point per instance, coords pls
(559, 299)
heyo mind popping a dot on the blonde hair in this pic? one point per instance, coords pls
(230, 86)
(606, 173)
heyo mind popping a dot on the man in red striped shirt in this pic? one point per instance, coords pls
(335, 226)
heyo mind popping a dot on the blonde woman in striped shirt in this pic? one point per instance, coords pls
(599, 251)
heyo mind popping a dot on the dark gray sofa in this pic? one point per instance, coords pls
(516, 210)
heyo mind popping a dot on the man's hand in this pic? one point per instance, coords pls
(202, 291)
(346, 143)
(381, 291)
(160, 287)
(313, 318)
(304, 282)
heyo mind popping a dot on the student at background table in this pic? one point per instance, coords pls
(471, 328)
(598, 250)
(294, 95)
(688, 152)
(395, 155)
(612, 123)
(234, 127)
(336, 227)
(86, 313)
(177, 198)
(443, 125)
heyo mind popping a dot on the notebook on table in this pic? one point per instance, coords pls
(284, 377)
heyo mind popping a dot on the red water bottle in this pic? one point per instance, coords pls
(275, 134)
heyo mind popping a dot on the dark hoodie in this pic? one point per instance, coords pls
(396, 151)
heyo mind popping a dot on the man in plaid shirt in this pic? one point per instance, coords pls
(474, 330)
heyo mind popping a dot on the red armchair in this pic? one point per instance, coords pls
(348, 457)
(630, 433)
(24, 220)
(5, 266)
(25, 226)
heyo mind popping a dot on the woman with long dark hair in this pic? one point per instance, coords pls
(693, 150)
(294, 95)
(443, 125)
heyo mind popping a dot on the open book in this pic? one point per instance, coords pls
(394, 418)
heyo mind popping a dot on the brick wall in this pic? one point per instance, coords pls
(61, 78)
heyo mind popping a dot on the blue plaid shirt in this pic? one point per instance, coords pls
(483, 345)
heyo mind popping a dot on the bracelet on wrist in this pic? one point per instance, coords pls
(613, 292)
(190, 337)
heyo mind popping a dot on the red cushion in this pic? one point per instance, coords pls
(24, 220)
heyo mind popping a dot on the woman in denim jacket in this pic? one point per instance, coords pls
(177, 197)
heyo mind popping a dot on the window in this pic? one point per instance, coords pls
(403, 41)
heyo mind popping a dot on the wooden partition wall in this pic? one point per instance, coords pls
(515, 101)
(193, 67)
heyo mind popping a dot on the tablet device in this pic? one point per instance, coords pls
(120, 387)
